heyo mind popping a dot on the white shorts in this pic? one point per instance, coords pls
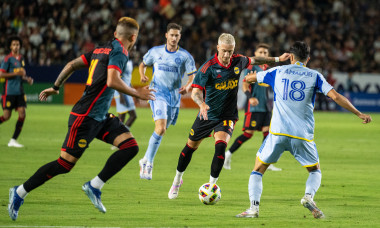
(162, 111)
(124, 108)
(274, 145)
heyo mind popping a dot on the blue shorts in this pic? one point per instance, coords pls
(162, 111)
(122, 108)
(274, 145)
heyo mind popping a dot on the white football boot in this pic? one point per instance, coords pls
(252, 212)
(14, 143)
(173, 192)
(308, 202)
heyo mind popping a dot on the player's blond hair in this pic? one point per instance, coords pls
(226, 38)
(126, 26)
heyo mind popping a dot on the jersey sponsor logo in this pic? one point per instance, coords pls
(236, 70)
(102, 51)
(191, 132)
(17, 69)
(178, 61)
(167, 68)
(227, 85)
(82, 143)
(300, 73)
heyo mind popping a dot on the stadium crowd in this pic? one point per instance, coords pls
(343, 35)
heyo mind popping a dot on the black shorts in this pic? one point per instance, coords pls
(256, 120)
(83, 129)
(13, 101)
(203, 128)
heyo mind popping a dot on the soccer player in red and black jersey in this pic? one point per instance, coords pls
(89, 118)
(13, 97)
(215, 89)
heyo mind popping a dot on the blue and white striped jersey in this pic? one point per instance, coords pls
(295, 87)
(168, 70)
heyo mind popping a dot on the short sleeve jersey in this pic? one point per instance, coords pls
(168, 71)
(261, 91)
(96, 99)
(220, 86)
(126, 76)
(13, 85)
(295, 87)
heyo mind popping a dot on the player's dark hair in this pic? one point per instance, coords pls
(263, 45)
(300, 50)
(14, 38)
(173, 26)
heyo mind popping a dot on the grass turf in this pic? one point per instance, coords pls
(348, 150)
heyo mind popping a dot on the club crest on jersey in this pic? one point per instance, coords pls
(82, 143)
(178, 60)
(227, 85)
(236, 70)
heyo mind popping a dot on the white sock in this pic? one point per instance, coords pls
(97, 183)
(228, 154)
(21, 191)
(177, 177)
(144, 159)
(255, 187)
(313, 182)
(213, 180)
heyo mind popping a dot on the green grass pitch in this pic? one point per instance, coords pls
(349, 195)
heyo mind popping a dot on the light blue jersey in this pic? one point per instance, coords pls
(295, 87)
(168, 70)
(129, 103)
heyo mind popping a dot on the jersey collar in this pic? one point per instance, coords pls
(166, 49)
(300, 64)
(217, 60)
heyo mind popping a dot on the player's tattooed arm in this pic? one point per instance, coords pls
(259, 60)
(197, 96)
(68, 70)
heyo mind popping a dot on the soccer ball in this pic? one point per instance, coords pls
(209, 194)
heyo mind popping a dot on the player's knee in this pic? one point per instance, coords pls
(129, 145)
(160, 131)
(61, 166)
(6, 117)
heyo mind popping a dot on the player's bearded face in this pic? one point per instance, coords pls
(262, 52)
(173, 36)
(225, 52)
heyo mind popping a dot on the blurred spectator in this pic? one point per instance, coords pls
(342, 34)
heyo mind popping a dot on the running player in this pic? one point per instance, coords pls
(292, 124)
(89, 118)
(215, 90)
(258, 109)
(13, 97)
(170, 62)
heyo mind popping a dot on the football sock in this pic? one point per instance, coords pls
(46, 172)
(185, 158)
(127, 150)
(21, 191)
(218, 160)
(178, 177)
(255, 187)
(239, 140)
(213, 180)
(265, 134)
(19, 124)
(2, 119)
(313, 182)
(97, 183)
(154, 143)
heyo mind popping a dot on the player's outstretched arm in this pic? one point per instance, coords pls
(197, 96)
(345, 103)
(250, 78)
(187, 88)
(115, 82)
(62, 77)
(12, 74)
(142, 70)
(259, 60)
